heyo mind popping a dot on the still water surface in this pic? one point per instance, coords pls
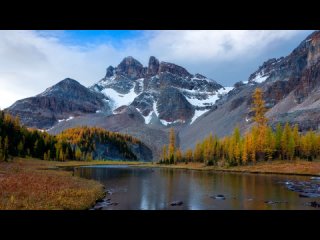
(147, 189)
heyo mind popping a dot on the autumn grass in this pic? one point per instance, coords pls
(277, 167)
(283, 167)
(25, 184)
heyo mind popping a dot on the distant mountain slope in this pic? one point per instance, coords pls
(291, 87)
(61, 102)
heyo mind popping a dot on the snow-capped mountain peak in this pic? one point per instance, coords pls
(187, 96)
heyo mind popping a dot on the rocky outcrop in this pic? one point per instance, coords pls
(113, 152)
(173, 69)
(173, 106)
(110, 72)
(130, 67)
(144, 102)
(153, 66)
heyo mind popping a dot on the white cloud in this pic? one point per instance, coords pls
(31, 61)
(214, 45)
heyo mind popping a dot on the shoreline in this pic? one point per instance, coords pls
(302, 168)
(260, 168)
(230, 170)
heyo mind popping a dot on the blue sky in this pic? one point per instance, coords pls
(84, 37)
(31, 61)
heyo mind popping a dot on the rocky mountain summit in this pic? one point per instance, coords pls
(162, 91)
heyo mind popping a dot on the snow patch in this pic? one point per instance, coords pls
(200, 79)
(109, 80)
(148, 118)
(210, 100)
(65, 120)
(225, 90)
(155, 108)
(260, 78)
(164, 122)
(49, 129)
(197, 114)
(190, 91)
(98, 111)
(119, 99)
(70, 118)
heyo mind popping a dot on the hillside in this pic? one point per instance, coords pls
(80, 143)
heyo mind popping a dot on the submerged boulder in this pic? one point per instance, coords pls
(176, 203)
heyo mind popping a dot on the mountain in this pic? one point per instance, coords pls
(163, 93)
(62, 102)
(130, 98)
(291, 87)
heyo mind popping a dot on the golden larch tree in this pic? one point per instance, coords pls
(178, 155)
(164, 156)
(172, 143)
(259, 108)
(188, 155)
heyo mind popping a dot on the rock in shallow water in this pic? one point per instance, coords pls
(306, 189)
(176, 203)
(275, 202)
(309, 195)
(315, 178)
(219, 197)
(313, 204)
(109, 191)
(103, 203)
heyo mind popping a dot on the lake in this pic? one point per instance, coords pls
(134, 188)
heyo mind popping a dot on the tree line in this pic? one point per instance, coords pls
(260, 143)
(73, 144)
